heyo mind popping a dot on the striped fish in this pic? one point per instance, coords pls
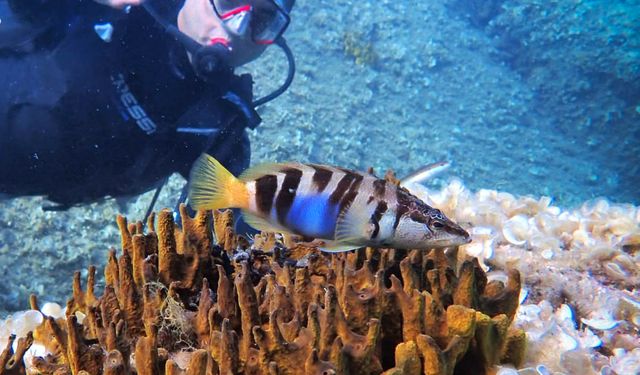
(341, 208)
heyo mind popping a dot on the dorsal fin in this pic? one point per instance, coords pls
(260, 170)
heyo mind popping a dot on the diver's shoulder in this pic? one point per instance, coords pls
(36, 25)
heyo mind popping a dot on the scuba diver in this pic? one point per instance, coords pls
(108, 101)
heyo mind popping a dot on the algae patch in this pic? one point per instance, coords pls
(359, 47)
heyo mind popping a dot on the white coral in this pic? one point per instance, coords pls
(566, 254)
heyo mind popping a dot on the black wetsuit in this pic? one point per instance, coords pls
(81, 118)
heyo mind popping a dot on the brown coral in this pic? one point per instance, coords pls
(178, 302)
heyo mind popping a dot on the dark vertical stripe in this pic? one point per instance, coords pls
(345, 170)
(379, 187)
(403, 199)
(266, 187)
(321, 177)
(381, 208)
(287, 193)
(351, 194)
(400, 211)
(342, 187)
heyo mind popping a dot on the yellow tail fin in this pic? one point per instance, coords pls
(212, 186)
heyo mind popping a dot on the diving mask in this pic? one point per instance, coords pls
(266, 20)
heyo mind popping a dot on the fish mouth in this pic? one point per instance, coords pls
(462, 236)
(452, 241)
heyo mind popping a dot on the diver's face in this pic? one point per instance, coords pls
(198, 20)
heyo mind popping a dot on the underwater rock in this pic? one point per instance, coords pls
(176, 302)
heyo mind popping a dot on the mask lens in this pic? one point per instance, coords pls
(238, 22)
(267, 18)
(269, 23)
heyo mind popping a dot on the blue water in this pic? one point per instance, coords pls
(519, 97)
(537, 99)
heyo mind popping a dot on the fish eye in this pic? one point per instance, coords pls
(437, 224)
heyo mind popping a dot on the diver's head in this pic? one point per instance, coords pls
(242, 29)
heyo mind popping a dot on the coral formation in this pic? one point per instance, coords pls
(579, 267)
(178, 301)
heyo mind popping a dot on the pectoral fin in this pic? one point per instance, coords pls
(353, 226)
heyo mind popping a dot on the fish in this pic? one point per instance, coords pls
(339, 208)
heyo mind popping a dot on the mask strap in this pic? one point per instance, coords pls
(191, 45)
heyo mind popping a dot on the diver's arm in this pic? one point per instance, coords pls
(22, 20)
(119, 4)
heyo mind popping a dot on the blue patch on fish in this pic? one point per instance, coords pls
(313, 216)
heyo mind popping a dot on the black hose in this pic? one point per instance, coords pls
(153, 200)
(282, 43)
